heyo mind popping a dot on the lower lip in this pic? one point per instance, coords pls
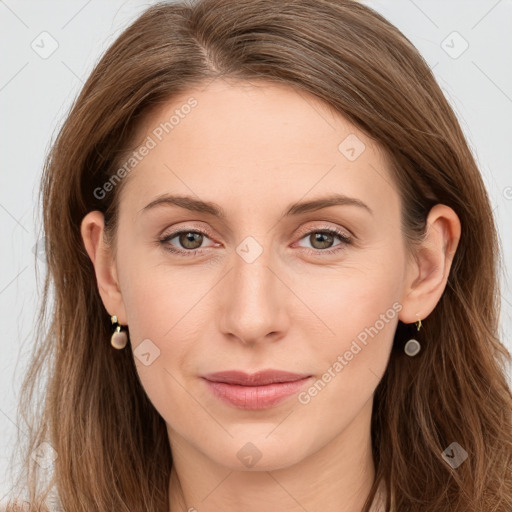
(255, 397)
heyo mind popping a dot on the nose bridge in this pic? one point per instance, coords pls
(253, 306)
(252, 278)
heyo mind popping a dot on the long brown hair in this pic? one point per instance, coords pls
(111, 444)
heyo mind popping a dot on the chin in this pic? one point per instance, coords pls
(259, 452)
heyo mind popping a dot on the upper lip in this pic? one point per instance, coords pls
(254, 379)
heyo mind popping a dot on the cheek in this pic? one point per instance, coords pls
(166, 316)
(168, 311)
(166, 306)
(359, 307)
(347, 300)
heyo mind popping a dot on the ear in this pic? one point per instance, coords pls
(429, 266)
(101, 255)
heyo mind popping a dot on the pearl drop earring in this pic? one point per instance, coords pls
(413, 346)
(119, 338)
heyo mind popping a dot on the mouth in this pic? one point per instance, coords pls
(260, 390)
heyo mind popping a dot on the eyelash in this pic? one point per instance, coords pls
(345, 240)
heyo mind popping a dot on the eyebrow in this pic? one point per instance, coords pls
(197, 205)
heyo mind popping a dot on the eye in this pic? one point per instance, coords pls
(190, 241)
(321, 240)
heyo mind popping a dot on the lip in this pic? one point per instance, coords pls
(260, 378)
(259, 390)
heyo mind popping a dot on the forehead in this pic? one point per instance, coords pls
(252, 140)
(234, 113)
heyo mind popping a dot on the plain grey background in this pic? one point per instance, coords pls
(49, 48)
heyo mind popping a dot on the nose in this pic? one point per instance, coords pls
(252, 301)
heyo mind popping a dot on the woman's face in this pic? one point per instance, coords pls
(273, 286)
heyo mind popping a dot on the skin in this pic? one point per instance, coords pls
(255, 150)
